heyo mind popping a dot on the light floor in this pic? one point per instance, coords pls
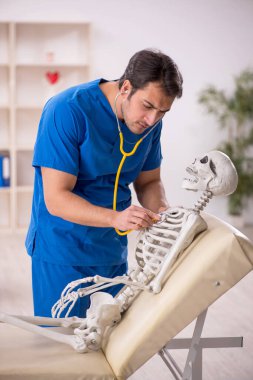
(231, 315)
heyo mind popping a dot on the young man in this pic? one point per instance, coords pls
(77, 153)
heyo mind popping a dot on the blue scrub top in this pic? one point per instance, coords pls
(78, 134)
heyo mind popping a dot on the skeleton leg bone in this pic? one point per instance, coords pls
(73, 340)
(47, 321)
(103, 313)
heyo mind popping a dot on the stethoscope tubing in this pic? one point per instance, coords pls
(124, 156)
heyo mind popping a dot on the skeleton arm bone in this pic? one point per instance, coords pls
(99, 280)
(100, 283)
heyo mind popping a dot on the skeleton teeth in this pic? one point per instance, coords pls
(193, 173)
(192, 180)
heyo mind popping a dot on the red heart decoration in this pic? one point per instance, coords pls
(52, 77)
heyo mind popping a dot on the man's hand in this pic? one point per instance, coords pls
(134, 218)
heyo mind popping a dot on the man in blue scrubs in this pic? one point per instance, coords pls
(76, 156)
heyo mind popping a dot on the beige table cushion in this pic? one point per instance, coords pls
(26, 356)
(216, 260)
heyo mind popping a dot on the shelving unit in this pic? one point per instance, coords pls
(28, 52)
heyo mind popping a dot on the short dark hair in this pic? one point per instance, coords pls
(153, 66)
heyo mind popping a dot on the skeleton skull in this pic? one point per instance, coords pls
(214, 172)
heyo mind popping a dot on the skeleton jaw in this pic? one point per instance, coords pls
(190, 183)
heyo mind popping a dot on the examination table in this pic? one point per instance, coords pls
(216, 260)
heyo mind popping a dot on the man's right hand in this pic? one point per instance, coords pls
(134, 218)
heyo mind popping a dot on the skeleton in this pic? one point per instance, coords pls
(158, 247)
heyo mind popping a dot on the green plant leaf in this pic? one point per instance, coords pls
(235, 113)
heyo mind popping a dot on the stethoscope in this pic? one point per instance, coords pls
(124, 156)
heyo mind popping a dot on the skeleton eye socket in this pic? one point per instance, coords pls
(213, 167)
(204, 160)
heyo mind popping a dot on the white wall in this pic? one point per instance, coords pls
(211, 41)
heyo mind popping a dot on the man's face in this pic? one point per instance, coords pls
(145, 107)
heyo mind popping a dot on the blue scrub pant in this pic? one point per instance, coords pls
(49, 280)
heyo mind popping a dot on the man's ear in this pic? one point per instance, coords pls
(126, 87)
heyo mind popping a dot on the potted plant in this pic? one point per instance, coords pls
(235, 113)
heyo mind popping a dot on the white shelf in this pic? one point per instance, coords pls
(5, 205)
(33, 80)
(48, 66)
(5, 86)
(5, 138)
(43, 43)
(25, 148)
(27, 120)
(23, 204)
(5, 190)
(25, 173)
(29, 107)
(4, 43)
(24, 189)
(28, 52)
(4, 148)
